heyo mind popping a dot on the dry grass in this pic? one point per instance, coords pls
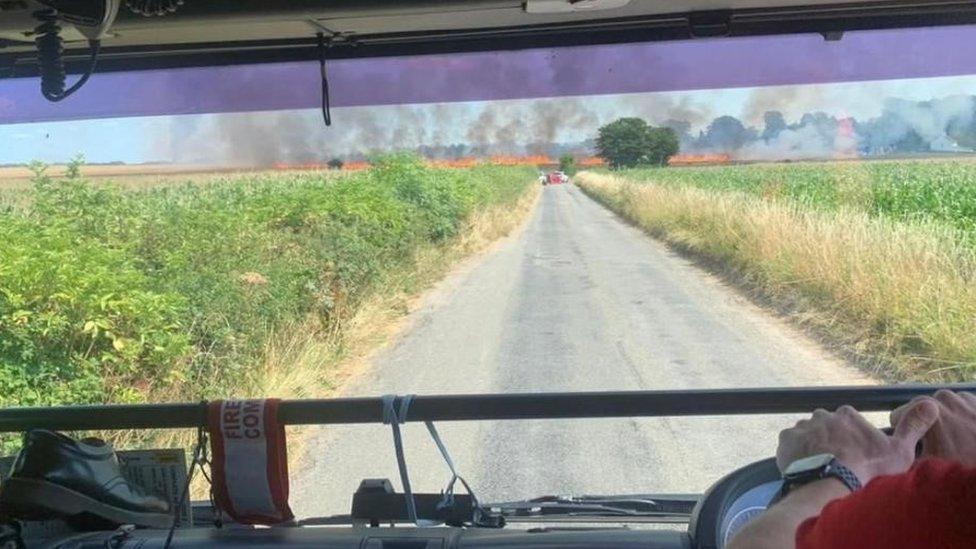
(16, 182)
(900, 295)
(20, 176)
(145, 176)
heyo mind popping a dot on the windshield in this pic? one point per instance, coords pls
(758, 212)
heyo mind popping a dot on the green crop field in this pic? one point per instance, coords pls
(112, 294)
(936, 190)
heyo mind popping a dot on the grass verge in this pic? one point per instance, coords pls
(259, 284)
(898, 294)
(292, 359)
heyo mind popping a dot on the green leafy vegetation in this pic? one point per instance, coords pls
(931, 190)
(119, 295)
(567, 164)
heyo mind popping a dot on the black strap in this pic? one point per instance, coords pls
(199, 458)
(837, 470)
(834, 469)
(324, 75)
(394, 418)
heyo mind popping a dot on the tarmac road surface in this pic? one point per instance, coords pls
(576, 301)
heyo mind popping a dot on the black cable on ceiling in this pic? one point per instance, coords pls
(50, 50)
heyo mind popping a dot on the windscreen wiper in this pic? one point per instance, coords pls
(640, 507)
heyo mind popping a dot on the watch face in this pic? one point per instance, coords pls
(812, 463)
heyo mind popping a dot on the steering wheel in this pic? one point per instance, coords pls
(732, 502)
(739, 497)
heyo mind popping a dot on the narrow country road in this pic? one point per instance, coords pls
(577, 301)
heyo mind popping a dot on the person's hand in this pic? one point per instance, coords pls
(954, 434)
(858, 445)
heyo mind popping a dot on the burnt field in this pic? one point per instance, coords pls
(19, 177)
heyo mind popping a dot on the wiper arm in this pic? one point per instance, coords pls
(637, 506)
(630, 508)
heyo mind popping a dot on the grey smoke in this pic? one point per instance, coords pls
(539, 126)
(778, 99)
(515, 127)
(265, 138)
(946, 124)
(802, 143)
(658, 109)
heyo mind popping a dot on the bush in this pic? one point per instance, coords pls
(662, 144)
(567, 164)
(109, 295)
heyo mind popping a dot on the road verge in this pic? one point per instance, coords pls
(300, 362)
(254, 286)
(898, 296)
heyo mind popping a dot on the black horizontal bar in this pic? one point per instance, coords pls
(707, 402)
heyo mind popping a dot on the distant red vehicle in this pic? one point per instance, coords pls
(555, 178)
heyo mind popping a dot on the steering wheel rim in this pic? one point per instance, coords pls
(705, 526)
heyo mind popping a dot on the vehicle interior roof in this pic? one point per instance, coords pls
(256, 30)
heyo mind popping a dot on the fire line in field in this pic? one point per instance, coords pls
(541, 161)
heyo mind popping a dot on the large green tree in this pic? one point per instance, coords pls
(623, 143)
(628, 142)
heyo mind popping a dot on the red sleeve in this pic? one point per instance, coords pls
(932, 505)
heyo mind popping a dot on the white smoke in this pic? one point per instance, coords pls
(903, 126)
(929, 120)
(803, 143)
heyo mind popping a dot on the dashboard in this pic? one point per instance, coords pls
(745, 508)
(732, 502)
(723, 510)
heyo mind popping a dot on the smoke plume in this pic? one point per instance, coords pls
(771, 128)
(946, 124)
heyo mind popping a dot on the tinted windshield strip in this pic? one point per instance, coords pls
(596, 70)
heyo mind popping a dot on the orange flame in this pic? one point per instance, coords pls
(356, 165)
(512, 160)
(590, 162)
(464, 162)
(305, 166)
(699, 159)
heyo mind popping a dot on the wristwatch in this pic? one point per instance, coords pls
(809, 469)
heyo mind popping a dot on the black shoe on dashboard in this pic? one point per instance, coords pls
(57, 476)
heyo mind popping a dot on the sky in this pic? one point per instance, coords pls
(234, 113)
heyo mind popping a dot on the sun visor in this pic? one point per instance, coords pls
(571, 71)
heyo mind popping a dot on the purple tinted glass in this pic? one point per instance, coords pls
(663, 66)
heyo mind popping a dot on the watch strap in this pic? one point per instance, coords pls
(843, 474)
(834, 469)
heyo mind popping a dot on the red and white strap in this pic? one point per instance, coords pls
(250, 461)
